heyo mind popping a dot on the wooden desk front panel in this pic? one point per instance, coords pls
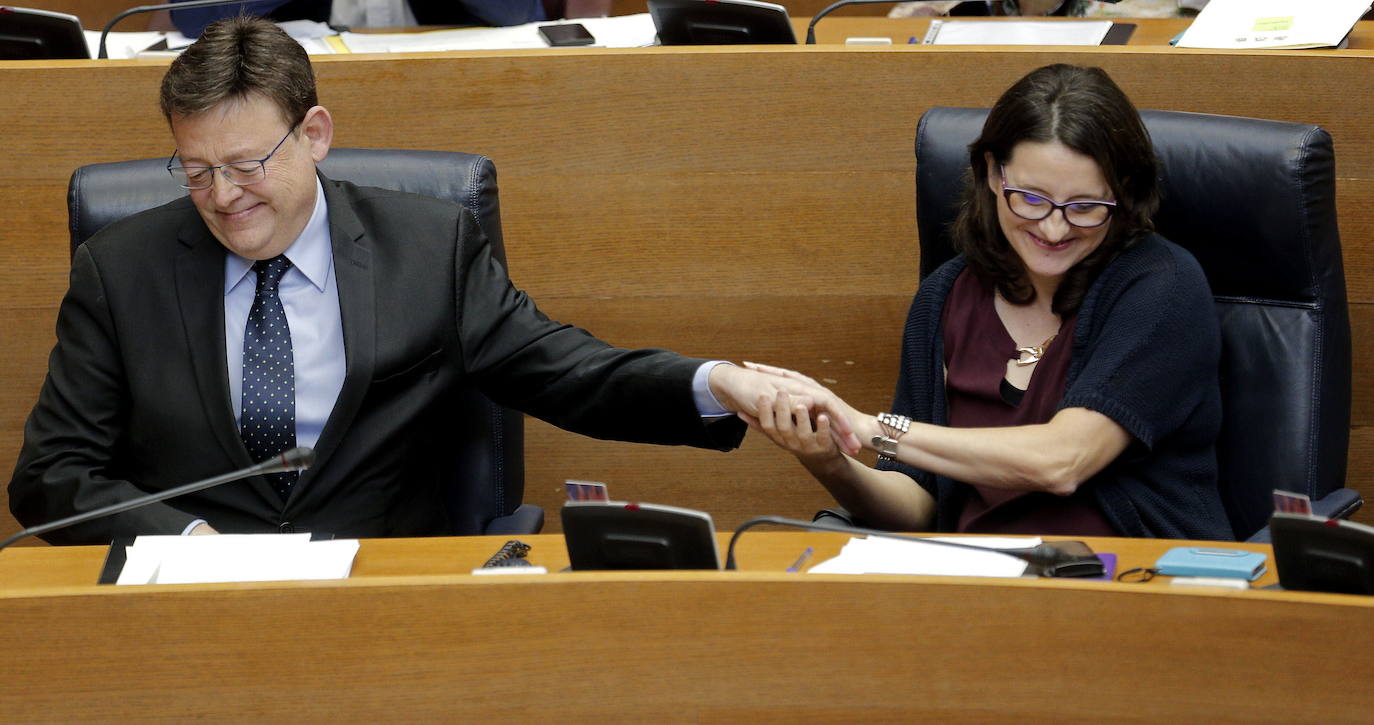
(738, 203)
(403, 643)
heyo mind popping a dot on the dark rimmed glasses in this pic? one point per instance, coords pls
(238, 173)
(1033, 207)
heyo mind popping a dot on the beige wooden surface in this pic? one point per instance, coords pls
(743, 203)
(413, 637)
(834, 29)
(763, 548)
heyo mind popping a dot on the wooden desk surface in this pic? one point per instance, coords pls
(413, 637)
(1148, 31)
(758, 550)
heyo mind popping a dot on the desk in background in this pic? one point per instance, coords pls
(412, 636)
(741, 202)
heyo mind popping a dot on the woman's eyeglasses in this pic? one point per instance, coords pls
(1033, 207)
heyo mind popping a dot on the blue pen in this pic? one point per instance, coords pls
(801, 561)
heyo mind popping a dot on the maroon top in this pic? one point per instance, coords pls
(977, 347)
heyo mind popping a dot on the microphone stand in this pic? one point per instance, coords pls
(811, 28)
(1044, 556)
(155, 8)
(296, 459)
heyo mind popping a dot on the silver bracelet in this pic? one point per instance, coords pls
(893, 428)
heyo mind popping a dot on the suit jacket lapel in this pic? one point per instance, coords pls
(353, 274)
(199, 270)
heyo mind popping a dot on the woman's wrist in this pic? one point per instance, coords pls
(888, 429)
(867, 429)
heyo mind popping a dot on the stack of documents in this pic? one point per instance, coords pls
(1273, 23)
(1017, 32)
(235, 558)
(875, 555)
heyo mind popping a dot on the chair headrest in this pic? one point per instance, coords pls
(102, 193)
(1253, 200)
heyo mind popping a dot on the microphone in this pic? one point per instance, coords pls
(296, 459)
(1055, 559)
(155, 8)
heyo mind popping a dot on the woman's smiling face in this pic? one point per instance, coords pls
(1049, 247)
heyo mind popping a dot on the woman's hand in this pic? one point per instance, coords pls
(888, 499)
(749, 391)
(791, 425)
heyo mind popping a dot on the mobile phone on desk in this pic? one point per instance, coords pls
(1211, 562)
(566, 34)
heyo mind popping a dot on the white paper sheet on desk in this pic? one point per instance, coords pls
(876, 555)
(120, 46)
(1273, 23)
(235, 557)
(1017, 32)
(624, 31)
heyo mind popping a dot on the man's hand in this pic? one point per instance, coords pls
(202, 529)
(756, 390)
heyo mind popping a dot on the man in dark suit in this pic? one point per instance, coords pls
(273, 307)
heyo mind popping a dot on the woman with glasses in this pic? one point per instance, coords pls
(1059, 376)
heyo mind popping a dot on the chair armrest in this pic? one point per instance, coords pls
(1338, 504)
(528, 519)
(838, 518)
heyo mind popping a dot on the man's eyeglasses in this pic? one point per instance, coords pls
(238, 173)
(1033, 207)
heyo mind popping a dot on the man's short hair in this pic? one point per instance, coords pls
(234, 59)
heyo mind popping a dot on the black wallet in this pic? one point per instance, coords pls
(1065, 559)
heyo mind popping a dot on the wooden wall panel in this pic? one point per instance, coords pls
(735, 202)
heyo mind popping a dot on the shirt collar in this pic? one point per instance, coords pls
(310, 253)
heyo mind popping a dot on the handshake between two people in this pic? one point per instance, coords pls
(794, 411)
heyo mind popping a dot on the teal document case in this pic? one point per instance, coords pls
(1208, 561)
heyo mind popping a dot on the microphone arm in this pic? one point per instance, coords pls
(811, 28)
(155, 8)
(296, 459)
(1042, 555)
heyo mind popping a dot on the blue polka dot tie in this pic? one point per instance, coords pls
(268, 423)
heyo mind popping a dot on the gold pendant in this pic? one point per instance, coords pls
(1035, 352)
(1032, 353)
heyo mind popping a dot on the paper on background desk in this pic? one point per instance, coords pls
(235, 558)
(1017, 32)
(121, 45)
(308, 33)
(622, 31)
(876, 555)
(1273, 23)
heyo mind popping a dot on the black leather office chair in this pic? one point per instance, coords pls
(1255, 202)
(488, 461)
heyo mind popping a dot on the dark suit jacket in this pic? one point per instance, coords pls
(136, 399)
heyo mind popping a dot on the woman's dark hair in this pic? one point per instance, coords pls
(234, 59)
(1084, 110)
